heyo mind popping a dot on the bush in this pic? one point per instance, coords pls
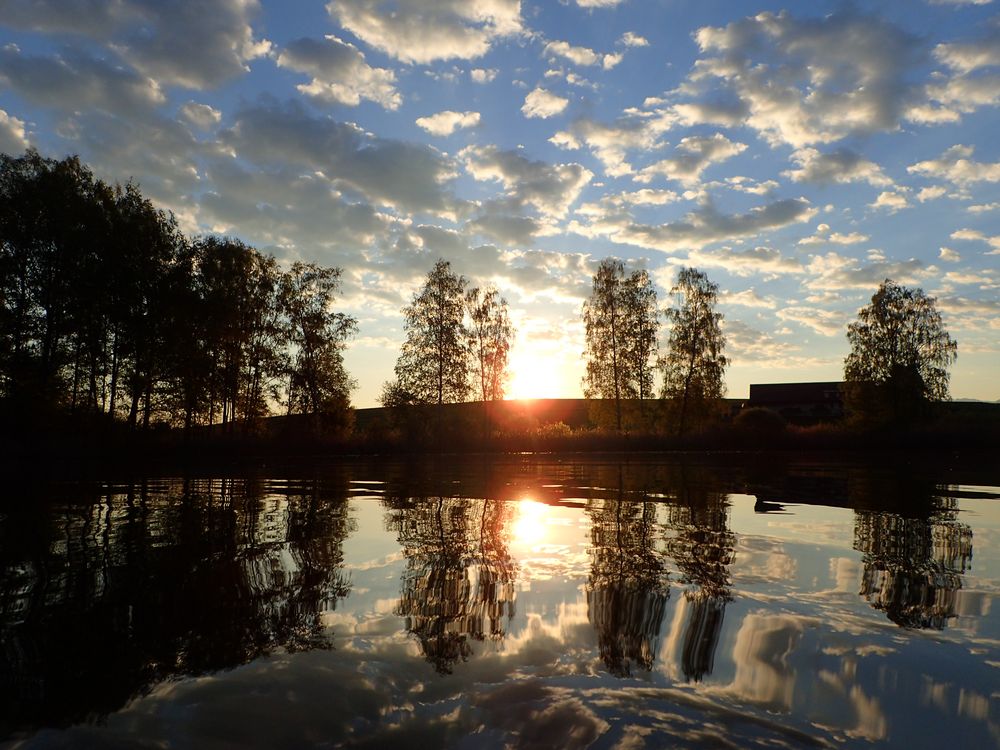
(760, 422)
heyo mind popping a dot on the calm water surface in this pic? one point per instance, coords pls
(524, 602)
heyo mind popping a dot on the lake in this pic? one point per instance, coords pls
(523, 601)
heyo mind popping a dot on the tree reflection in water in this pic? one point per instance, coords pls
(703, 549)
(121, 591)
(913, 567)
(458, 585)
(628, 588)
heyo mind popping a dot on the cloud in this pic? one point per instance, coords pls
(726, 113)
(644, 197)
(447, 122)
(745, 185)
(763, 261)
(974, 235)
(570, 77)
(747, 298)
(390, 172)
(73, 81)
(88, 17)
(161, 152)
(543, 104)
(707, 225)
(201, 116)
(598, 3)
(196, 45)
(966, 57)
(968, 234)
(948, 255)
(747, 344)
(301, 212)
(931, 193)
(13, 139)
(824, 322)
(813, 80)
(833, 271)
(339, 73)
(549, 188)
(982, 208)
(422, 32)
(507, 229)
(890, 201)
(839, 166)
(610, 143)
(631, 39)
(693, 155)
(824, 236)
(576, 55)
(949, 98)
(483, 75)
(956, 166)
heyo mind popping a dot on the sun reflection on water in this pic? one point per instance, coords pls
(530, 525)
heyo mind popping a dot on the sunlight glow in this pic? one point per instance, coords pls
(533, 375)
(529, 527)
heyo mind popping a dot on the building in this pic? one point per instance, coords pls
(800, 403)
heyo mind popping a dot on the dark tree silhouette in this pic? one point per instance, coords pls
(433, 366)
(490, 337)
(693, 365)
(900, 354)
(318, 383)
(620, 322)
(108, 311)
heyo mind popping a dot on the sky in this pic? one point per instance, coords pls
(797, 153)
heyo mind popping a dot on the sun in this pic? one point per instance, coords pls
(533, 375)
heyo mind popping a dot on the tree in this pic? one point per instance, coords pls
(642, 325)
(318, 383)
(694, 366)
(244, 336)
(620, 322)
(900, 354)
(433, 366)
(490, 336)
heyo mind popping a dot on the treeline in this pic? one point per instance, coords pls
(109, 312)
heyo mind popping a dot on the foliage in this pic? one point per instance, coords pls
(107, 311)
(760, 422)
(900, 354)
(433, 366)
(318, 384)
(490, 337)
(621, 325)
(694, 365)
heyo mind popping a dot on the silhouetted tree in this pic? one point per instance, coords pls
(490, 338)
(52, 229)
(694, 366)
(900, 354)
(318, 383)
(239, 287)
(620, 323)
(107, 309)
(434, 363)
